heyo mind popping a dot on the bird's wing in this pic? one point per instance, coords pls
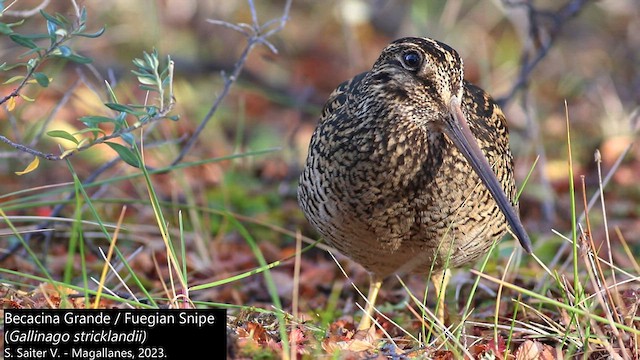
(482, 107)
(339, 96)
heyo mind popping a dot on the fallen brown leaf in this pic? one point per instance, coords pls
(534, 350)
(443, 355)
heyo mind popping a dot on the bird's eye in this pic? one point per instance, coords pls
(411, 60)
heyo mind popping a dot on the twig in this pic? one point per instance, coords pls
(26, 13)
(256, 34)
(45, 228)
(32, 69)
(29, 150)
(88, 144)
(528, 61)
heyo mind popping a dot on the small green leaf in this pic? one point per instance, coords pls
(35, 36)
(152, 59)
(83, 15)
(92, 35)
(13, 66)
(63, 135)
(143, 73)
(23, 41)
(80, 59)
(76, 58)
(42, 79)
(17, 23)
(63, 20)
(26, 98)
(94, 121)
(63, 51)
(124, 108)
(147, 80)
(5, 29)
(13, 79)
(51, 29)
(51, 18)
(139, 63)
(120, 107)
(125, 153)
(174, 117)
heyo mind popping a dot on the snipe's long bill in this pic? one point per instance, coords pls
(458, 131)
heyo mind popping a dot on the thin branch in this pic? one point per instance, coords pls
(255, 35)
(88, 144)
(135, 126)
(28, 150)
(26, 13)
(32, 69)
(16, 91)
(528, 62)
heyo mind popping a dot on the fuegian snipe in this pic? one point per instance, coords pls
(409, 169)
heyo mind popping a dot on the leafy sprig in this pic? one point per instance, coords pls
(59, 31)
(155, 76)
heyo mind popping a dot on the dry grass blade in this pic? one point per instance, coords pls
(597, 277)
(570, 307)
(499, 296)
(628, 251)
(614, 168)
(112, 245)
(344, 273)
(122, 281)
(296, 293)
(598, 160)
(254, 34)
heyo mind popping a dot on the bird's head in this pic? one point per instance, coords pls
(424, 79)
(420, 71)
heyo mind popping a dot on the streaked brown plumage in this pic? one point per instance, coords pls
(394, 177)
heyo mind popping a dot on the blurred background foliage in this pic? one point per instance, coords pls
(592, 65)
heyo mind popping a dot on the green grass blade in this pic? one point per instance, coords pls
(102, 227)
(271, 286)
(246, 274)
(48, 278)
(569, 308)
